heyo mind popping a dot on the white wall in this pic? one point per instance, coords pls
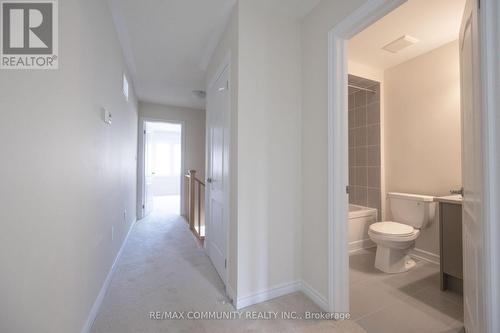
(365, 71)
(423, 135)
(66, 177)
(269, 149)
(315, 30)
(264, 247)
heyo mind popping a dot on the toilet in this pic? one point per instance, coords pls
(410, 214)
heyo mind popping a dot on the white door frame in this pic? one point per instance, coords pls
(489, 31)
(225, 64)
(141, 160)
(338, 258)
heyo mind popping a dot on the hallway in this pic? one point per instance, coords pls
(162, 268)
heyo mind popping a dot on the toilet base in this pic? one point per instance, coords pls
(391, 260)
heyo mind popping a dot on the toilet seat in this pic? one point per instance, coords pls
(392, 229)
(394, 241)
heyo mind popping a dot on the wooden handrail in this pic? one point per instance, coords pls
(195, 199)
(188, 176)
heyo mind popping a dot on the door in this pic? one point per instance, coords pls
(218, 172)
(148, 171)
(472, 176)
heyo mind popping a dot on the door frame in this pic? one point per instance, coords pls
(489, 31)
(225, 64)
(141, 160)
(338, 257)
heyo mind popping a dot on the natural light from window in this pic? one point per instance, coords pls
(167, 159)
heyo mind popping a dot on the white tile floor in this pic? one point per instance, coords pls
(406, 302)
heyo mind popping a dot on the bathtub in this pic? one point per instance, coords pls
(360, 219)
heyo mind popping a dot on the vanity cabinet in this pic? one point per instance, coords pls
(450, 229)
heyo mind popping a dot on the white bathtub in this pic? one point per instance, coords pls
(360, 219)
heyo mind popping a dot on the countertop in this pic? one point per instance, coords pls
(453, 199)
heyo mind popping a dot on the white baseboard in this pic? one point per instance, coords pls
(281, 290)
(361, 244)
(315, 296)
(425, 256)
(268, 294)
(97, 303)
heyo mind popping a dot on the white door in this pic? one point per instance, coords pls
(472, 166)
(148, 172)
(217, 171)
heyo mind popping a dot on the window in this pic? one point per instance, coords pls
(167, 160)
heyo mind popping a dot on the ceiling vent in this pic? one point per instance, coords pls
(400, 44)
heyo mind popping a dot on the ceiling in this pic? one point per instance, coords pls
(433, 23)
(168, 43)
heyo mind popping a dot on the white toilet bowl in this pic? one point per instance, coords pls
(394, 241)
(413, 212)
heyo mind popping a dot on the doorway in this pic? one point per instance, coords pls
(162, 161)
(478, 309)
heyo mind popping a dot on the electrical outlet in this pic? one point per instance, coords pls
(112, 233)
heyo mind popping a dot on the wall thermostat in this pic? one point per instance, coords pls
(106, 116)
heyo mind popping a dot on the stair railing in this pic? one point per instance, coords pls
(195, 204)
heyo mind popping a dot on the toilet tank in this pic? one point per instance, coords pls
(412, 209)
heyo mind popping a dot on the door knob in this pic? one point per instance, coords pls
(209, 180)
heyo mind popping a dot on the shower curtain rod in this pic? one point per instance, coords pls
(361, 88)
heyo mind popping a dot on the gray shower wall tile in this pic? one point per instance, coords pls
(361, 195)
(361, 176)
(373, 197)
(361, 156)
(352, 118)
(373, 134)
(373, 156)
(352, 157)
(373, 175)
(360, 116)
(360, 99)
(352, 139)
(360, 135)
(364, 143)
(352, 176)
(373, 114)
(373, 97)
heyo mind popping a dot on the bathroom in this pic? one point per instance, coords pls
(404, 128)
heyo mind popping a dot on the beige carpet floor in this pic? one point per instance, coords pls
(163, 268)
